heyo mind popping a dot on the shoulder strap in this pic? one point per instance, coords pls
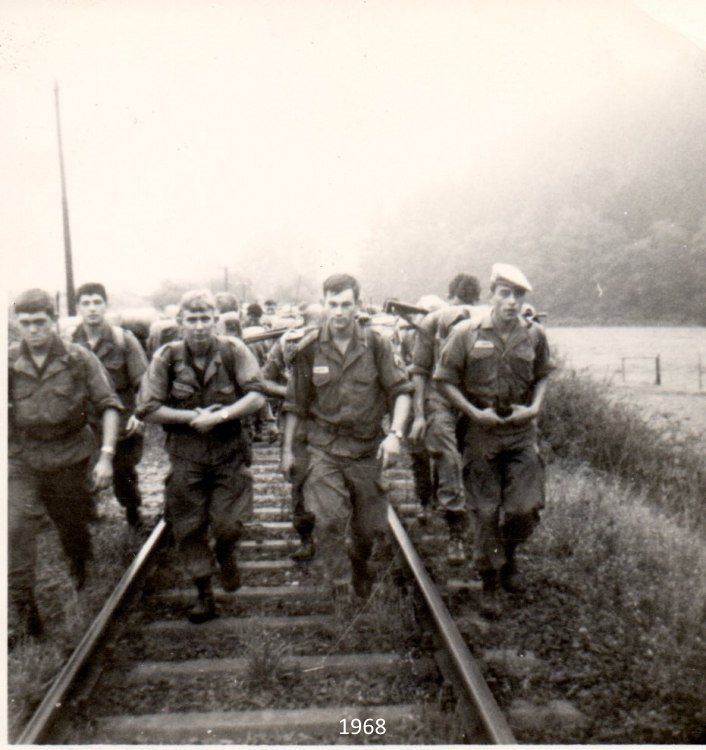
(119, 337)
(228, 359)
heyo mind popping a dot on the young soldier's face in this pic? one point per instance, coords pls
(91, 308)
(36, 329)
(198, 327)
(507, 301)
(340, 310)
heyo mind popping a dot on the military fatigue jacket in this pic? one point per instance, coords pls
(125, 364)
(492, 372)
(49, 407)
(344, 397)
(174, 380)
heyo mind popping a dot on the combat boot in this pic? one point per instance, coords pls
(509, 578)
(29, 622)
(306, 550)
(360, 578)
(78, 571)
(205, 607)
(456, 554)
(490, 604)
(132, 516)
(230, 575)
(424, 515)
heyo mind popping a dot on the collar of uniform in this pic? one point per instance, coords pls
(325, 335)
(357, 346)
(213, 359)
(25, 363)
(105, 334)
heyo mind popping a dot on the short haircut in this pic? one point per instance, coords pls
(339, 282)
(92, 287)
(197, 300)
(466, 288)
(35, 301)
(226, 302)
(254, 310)
(270, 302)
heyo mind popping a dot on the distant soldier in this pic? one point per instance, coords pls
(270, 307)
(228, 315)
(199, 389)
(436, 420)
(254, 316)
(495, 372)
(276, 373)
(344, 380)
(124, 360)
(53, 387)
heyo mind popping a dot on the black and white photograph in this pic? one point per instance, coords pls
(356, 372)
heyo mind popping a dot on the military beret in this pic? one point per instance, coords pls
(504, 273)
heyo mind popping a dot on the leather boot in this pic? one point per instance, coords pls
(490, 604)
(205, 607)
(360, 578)
(77, 569)
(29, 622)
(132, 516)
(509, 578)
(230, 575)
(306, 550)
(456, 553)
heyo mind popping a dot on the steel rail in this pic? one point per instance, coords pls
(469, 675)
(37, 727)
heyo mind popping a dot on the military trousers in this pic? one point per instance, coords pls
(504, 480)
(346, 497)
(423, 472)
(201, 497)
(442, 443)
(128, 453)
(302, 519)
(65, 496)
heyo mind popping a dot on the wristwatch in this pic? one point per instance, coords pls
(397, 433)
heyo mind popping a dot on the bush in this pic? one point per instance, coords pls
(584, 421)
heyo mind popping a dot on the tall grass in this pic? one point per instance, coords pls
(583, 420)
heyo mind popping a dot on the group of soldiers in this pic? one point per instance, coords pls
(461, 386)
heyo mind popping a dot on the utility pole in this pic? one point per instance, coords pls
(68, 260)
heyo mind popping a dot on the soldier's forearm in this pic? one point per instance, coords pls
(168, 415)
(400, 413)
(291, 421)
(248, 404)
(540, 390)
(275, 389)
(111, 428)
(420, 384)
(457, 399)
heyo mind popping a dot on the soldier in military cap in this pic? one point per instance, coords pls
(125, 362)
(276, 373)
(436, 420)
(53, 387)
(344, 379)
(495, 371)
(199, 389)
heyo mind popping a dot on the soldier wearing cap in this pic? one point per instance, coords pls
(345, 378)
(199, 388)
(436, 420)
(125, 362)
(53, 387)
(494, 371)
(276, 373)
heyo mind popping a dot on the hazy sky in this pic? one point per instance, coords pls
(267, 136)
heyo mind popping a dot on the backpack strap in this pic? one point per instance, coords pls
(119, 337)
(228, 359)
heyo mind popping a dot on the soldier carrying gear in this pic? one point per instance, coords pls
(125, 362)
(199, 389)
(495, 372)
(344, 380)
(436, 420)
(53, 387)
(276, 374)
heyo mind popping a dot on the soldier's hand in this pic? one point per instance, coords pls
(134, 426)
(287, 464)
(418, 429)
(206, 420)
(389, 450)
(487, 418)
(520, 415)
(102, 473)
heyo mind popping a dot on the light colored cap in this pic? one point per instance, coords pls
(505, 273)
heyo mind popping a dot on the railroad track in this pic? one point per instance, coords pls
(284, 663)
